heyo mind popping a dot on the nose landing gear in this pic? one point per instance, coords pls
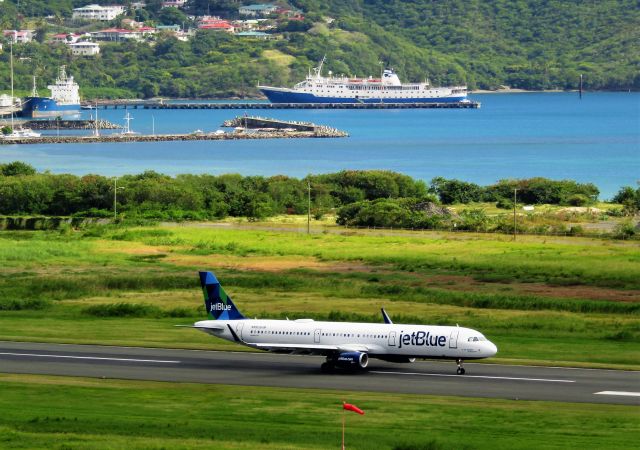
(460, 370)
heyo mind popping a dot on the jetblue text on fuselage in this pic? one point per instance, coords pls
(422, 338)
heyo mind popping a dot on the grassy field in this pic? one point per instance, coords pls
(70, 412)
(567, 301)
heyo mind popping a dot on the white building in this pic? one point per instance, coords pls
(263, 9)
(19, 36)
(85, 48)
(97, 12)
(173, 3)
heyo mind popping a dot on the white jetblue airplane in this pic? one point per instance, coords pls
(346, 345)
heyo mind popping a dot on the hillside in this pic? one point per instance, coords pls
(525, 44)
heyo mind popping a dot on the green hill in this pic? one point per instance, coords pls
(527, 44)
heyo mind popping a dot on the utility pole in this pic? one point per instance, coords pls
(115, 198)
(96, 131)
(309, 207)
(515, 202)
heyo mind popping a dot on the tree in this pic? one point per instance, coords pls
(16, 168)
(172, 16)
(456, 191)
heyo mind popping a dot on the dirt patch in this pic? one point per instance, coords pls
(264, 263)
(261, 263)
(582, 292)
(130, 248)
(467, 283)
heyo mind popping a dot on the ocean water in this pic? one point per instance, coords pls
(555, 135)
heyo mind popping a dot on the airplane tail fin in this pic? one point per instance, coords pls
(218, 303)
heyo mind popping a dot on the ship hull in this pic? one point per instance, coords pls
(289, 96)
(44, 107)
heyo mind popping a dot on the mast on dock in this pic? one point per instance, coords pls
(34, 90)
(11, 64)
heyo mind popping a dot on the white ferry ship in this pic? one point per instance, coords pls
(387, 89)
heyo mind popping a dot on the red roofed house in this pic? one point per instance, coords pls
(19, 36)
(64, 38)
(217, 25)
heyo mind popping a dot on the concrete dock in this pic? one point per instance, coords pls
(119, 138)
(460, 105)
(146, 104)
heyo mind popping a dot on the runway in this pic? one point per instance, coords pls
(264, 369)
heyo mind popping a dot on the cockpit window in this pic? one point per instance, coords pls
(476, 338)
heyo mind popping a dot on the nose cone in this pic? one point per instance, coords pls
(491, 349)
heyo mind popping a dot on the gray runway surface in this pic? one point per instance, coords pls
(264, 369)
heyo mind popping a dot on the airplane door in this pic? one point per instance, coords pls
(453, 339)
(316, 336)
(392, 338)
(239, 329)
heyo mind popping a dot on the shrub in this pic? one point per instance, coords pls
(576, 230)
(578, 200)
(504, 203)
(123, 310)
(624, 230)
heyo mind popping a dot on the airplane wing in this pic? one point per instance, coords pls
(309, 349)
(214, 327)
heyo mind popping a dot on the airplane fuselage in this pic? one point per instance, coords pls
(377, 340)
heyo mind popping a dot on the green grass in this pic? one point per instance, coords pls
(86, 413)
(555, 261)
(129, 286)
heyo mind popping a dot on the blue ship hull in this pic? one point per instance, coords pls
(44, 107)
(277, 96)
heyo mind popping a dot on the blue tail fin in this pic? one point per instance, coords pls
(218, 303)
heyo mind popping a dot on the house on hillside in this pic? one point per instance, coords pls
(255, 35)
(116, 35)
(18, 36)
(245, 25)
(170, 28)
(288, 12)
(97, 12)
(64, 38)
(85, 48)
(173, 3)
(262, 9)
(216, 24)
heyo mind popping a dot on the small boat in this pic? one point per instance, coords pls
(20, 133)
(17, 132)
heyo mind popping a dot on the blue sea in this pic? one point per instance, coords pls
(555, 135)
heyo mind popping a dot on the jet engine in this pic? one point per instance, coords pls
(352, 360)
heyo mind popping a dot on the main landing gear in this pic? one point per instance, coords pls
(460, 370)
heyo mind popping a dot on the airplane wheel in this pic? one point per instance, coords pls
(460, 371)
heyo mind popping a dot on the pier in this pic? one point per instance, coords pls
(265, 123)
(68, 124)
(324, 132)
(145, 104)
